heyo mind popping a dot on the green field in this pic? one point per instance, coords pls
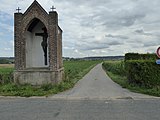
(117, 72)
(77, 69)
(6, 68)
(74, 71)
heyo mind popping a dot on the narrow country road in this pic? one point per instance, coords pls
(97, 85)
(95, 97)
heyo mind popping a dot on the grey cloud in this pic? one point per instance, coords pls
(152, 43)
(88, 3)
(117, 36)
(104, 14)
(87, 37)
(85, 23)
(122, 18)
(141, 31)
(95, 45)
(88, 45)
(115, 43)
(135, 40)
(135, 45)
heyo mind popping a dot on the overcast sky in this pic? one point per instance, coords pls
(93, 27)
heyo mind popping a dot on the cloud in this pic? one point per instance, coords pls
(115, 43)
(153, 43)
(141, 32)
(95, 27)
(97, 44)
(7, 49)
(7, 28)
(117, 36)
(96, 47)
(91, 46)
(87, 37)
(6, 23)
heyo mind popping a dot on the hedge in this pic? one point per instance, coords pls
(116, 67)
(137, 56)
(143, 72)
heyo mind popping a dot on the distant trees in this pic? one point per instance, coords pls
(5, 61)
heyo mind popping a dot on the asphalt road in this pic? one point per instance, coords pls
(49, 109)
(97, 85)
(95, 97)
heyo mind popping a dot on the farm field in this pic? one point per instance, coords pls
(117, 72)
(74, 71)
(6, 68)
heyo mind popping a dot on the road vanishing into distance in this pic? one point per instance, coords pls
(95, 97)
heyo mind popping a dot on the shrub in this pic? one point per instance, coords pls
(143, 72)
(137, 56)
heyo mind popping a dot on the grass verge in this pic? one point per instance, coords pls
(121, 79)
(74, 71)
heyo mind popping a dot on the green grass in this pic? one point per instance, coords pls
(77, 69)
(74, 71)
(122, 80)
(6, 70)
(6, 74)
(116, 71)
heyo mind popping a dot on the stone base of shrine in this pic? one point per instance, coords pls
(38, 76)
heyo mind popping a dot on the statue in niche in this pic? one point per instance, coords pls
(44, 43)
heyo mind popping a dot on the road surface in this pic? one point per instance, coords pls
(97, 85)
(95, 97)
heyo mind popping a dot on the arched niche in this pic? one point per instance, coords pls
(35, 55)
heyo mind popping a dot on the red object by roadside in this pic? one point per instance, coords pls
(158, 52)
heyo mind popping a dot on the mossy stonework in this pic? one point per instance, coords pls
(29, 52)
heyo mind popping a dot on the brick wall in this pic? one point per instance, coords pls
(22, 22)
